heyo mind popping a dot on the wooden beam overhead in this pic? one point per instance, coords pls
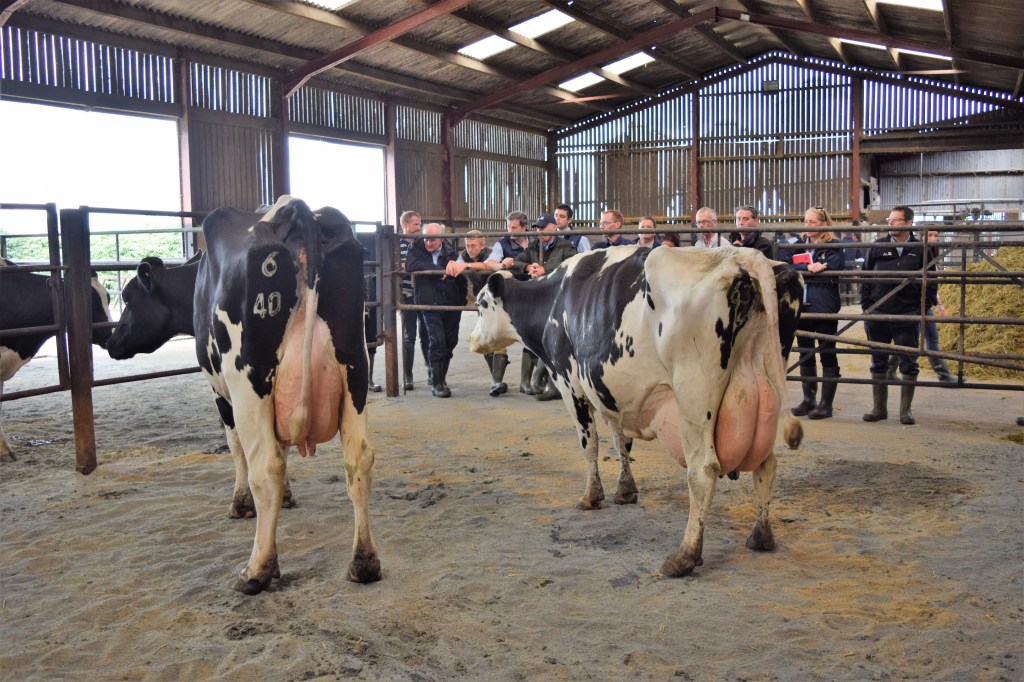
(707, 32)
(811, 13)
(295, 79)
(879, 21)
(606, 54)
(9, 7)
(979, 56)
(553, 52)
(778, 35)
(620, 34)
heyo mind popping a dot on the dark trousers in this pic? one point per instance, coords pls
(902, 334)
(442, 333)
(410, 320)
(827, 348)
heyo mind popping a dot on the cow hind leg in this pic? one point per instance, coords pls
(702, 473)
(626, 492)
(583, 416)
(761, 538)
(242, 505)
(365, 565)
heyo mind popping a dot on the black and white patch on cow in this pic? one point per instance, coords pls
(682, 345)
(27, 300)
(278, 322)
(159, 305)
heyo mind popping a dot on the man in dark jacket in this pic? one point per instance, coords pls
(749, 236)
(433, 254)
(903, 252)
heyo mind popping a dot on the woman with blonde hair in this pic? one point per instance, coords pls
(821, 296)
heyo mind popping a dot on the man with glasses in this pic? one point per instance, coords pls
(750, 237)
(902, 252)
(707, 222)
(433, 254)
(611, 222)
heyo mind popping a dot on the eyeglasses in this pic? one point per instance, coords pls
(607, 222)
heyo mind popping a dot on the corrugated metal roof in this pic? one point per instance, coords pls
(422, 64)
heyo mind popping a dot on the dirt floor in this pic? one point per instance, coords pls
(900, 549)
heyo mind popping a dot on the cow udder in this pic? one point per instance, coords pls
(747, 420)
(322, 409)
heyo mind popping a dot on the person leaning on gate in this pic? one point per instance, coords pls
(821, 295)
(472, 262)
(901, 252)
(647, 237)
(541, 257)
(611, 223)
(503, 257)
(432, 254)
(563, 217)
(749, 236)
(411, 224)
(706, 220)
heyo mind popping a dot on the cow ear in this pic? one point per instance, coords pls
(496, 285)
(145, 276)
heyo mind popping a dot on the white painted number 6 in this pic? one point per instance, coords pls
(270, 265)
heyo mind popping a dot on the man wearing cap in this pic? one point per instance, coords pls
(541, 257)
(611, 222)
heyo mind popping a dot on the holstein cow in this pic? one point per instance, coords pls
(26, 301)
(278, 323)
(159, 305)
(682, 345)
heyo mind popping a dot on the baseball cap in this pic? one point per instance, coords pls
(544, 220)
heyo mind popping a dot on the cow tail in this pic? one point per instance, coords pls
(309, 263)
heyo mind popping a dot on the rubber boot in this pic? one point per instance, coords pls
(444, 372)
(544, 388)
(810, 392)
(438, 389)
(894, 362)
(409, 356)
(906, 398)
(430, 369)
(373, 387)
(498, 367)
(828, 394)
(941, 370)
(526, 373)
(879, 398)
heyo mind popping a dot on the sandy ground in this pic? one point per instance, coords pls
(900, 549)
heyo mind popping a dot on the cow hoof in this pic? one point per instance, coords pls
(589, 505)
(252, 585)
(761, 539)
(679, 565)
(8, 457)
(289, 501)
(364, 569)
(242, 512)
(626, 498)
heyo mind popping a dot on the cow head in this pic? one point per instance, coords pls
(145, 322)
(494, 330)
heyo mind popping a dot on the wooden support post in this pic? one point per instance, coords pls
(390, 174)
(74, 227)
(388, 255)
(279, 175)
(695, 184)
(857, 116)
(553, 194)
(57, 295)
(447, 169)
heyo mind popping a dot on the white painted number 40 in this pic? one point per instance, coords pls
(271, 305)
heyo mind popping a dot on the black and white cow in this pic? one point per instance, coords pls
(682, 345)
(278, 322)
(159, 305)
(26, 301)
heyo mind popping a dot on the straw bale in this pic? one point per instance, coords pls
(987, 300)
